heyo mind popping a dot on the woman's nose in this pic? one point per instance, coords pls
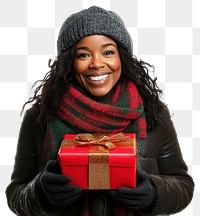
(96, 62)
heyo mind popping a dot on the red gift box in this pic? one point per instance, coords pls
(98, 167)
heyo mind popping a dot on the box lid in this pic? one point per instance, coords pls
(75, 155)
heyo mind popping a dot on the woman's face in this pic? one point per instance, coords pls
(97, 64)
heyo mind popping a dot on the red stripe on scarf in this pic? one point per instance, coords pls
(116, 95)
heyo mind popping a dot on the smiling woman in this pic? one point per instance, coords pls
(97, 64)
(97, 85)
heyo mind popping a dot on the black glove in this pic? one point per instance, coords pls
(144, 195)
(55, 186)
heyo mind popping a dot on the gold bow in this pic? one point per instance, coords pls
(87, 139)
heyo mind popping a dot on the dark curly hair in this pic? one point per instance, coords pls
(52, 87)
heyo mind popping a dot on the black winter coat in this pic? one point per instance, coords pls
(159, 155)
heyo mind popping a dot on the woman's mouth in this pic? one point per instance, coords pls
(98, 77)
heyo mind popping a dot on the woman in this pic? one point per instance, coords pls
(96, 85)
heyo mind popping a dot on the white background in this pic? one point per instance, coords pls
(165, 33)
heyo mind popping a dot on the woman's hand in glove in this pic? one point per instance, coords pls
(144, 195)
(55, 186)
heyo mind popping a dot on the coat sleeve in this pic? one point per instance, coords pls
(174, 185)
(21, 194)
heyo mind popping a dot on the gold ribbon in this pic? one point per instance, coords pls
(86, 139)
(98, 168)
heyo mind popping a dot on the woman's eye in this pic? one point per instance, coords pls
(83, 55)
(109, 52)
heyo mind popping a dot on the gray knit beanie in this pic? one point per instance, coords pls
(91, 21)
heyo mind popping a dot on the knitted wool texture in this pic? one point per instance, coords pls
(93, 21)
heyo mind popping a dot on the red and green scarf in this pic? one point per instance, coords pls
(113, 113)
(121, 110)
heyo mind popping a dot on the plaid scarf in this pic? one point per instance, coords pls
(121, 110)
(113, 114)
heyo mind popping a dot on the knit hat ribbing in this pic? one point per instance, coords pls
(91, 21)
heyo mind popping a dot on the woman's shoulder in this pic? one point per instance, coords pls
(164, 109)
(32, 112)
(31, 116)
(164, 118)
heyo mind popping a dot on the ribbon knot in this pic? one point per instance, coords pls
(87, 139)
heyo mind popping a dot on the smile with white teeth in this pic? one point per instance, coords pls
(98, 78)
